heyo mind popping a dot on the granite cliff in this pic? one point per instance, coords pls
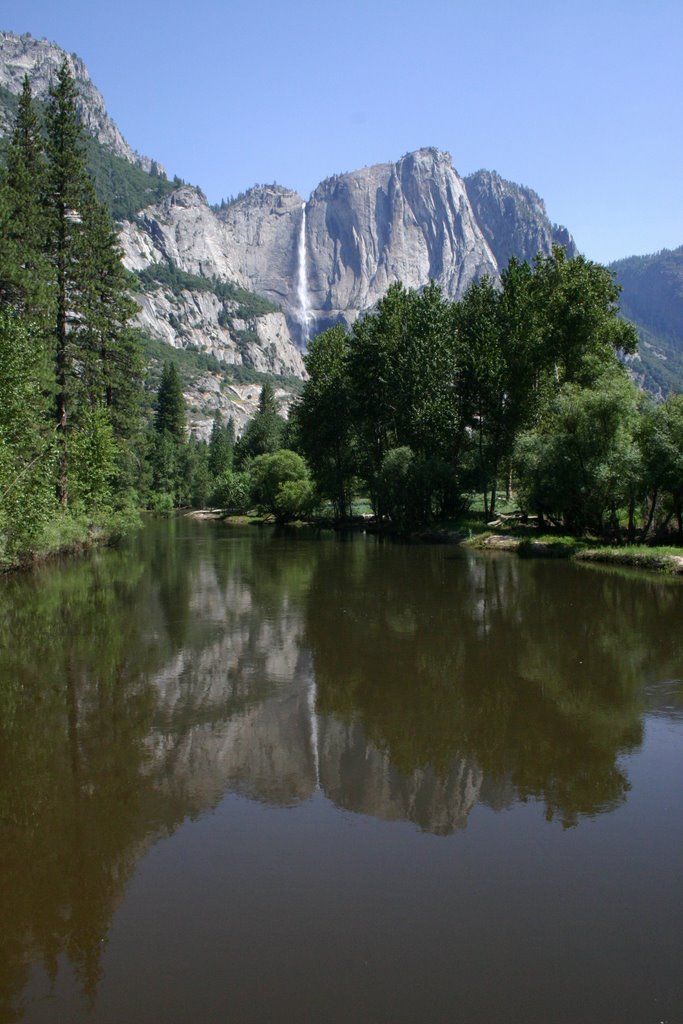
(327, 260)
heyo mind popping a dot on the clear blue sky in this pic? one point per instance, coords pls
(580, 100)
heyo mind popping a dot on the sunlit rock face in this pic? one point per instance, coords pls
(409, 221)
(320, 262)
(183, 230)
(330, 259)
(262, 229)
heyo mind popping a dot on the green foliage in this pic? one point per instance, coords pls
(194, 474)
(660, 439)
(323, 421)
(164, 461)
(580, 466)
(247, 304)
(282, 486)
(170, 405)
(397, 489)
(424, 398)
(24, 281)
(221, 445)
(92, 463)
(264, 430)
(413, 490)
(124, 188)
(232, 491)
(72, 376)
(27, 450)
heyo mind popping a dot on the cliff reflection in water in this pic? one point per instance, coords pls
(138, 687)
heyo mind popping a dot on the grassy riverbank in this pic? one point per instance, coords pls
(70, 534)
(655, 559)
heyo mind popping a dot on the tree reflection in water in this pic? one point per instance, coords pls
(138, 686)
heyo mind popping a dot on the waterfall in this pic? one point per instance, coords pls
(302, 282)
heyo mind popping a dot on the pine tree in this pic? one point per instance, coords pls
(264, 431)
(96, 356)
(24, 272)
(170, 405)
(68, 191)
(26, 450)
(220, 447)
(112, 362)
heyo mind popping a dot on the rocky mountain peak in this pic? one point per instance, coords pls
(513, 218)
(39, 59)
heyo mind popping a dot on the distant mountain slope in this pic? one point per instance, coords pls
(652, 297)
(40, 59)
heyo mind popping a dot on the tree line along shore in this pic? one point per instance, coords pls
(433, 415)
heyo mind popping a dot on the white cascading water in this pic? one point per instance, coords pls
(302, 283)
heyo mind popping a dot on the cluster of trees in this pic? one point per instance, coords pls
(256, 471)
(70, 366)
(426, 401)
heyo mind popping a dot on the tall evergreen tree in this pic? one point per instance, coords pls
(264, 431)
(96, 357)
(221, 445)
(112, 361)
(24, 273)
(170, 405)
(69, 190)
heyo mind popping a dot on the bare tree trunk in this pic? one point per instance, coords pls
(651, 514)
(631, 536)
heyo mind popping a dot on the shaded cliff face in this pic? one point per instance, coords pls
(652, 298)
(40, 59)
(513, 219)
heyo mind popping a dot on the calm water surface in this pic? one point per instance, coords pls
(248, 777)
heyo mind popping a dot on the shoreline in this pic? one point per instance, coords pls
(657, 559)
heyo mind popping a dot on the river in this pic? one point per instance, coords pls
(255, 776)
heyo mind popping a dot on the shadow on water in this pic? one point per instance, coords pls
(140, 685)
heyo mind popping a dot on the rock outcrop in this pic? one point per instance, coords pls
(513, 219)
(40, 59)
(184, 231)
(333, 257)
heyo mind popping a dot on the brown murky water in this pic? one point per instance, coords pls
(259, 778)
